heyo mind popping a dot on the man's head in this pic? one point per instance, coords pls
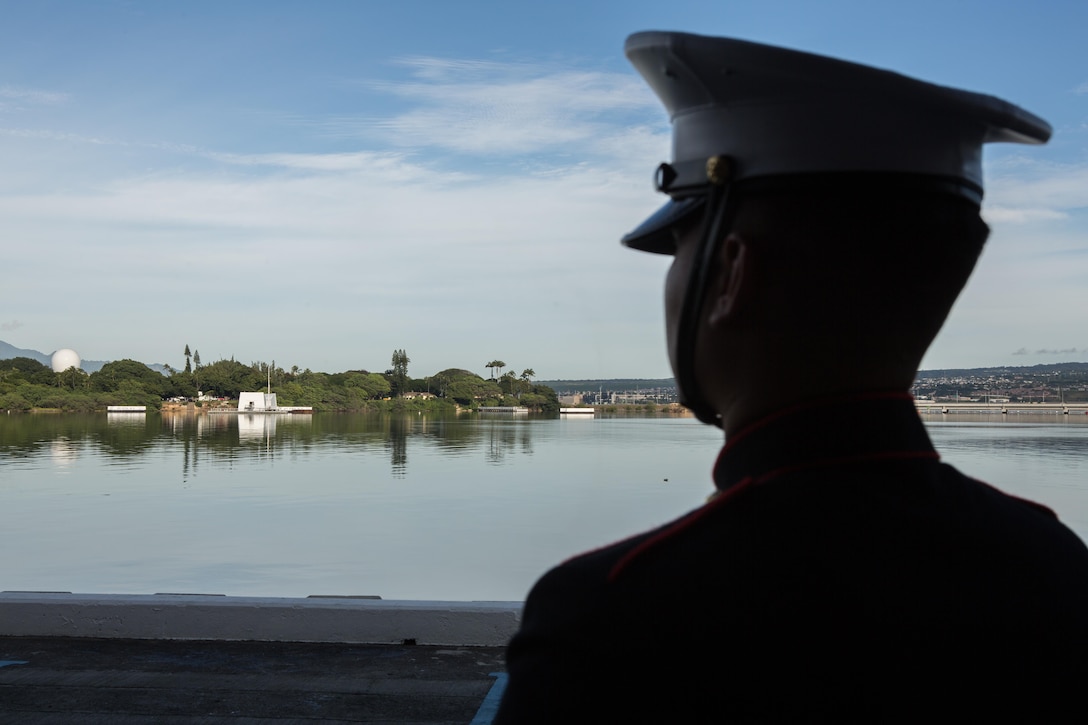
(809, 198)
(835, 284)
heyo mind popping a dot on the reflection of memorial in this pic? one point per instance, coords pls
(261, 428)
(220, 436)
(256, 427)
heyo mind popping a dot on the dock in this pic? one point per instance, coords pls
(69, 681)
(198, 658)
(941, 407)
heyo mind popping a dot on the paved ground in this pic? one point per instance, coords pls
(82, 680)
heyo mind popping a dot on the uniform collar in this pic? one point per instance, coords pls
(849, 427)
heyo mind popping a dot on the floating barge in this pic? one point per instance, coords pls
(578, 411)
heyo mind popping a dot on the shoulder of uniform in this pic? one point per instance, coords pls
(677, 529)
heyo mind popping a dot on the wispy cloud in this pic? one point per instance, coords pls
(389, 166)
(1019, 190)
(10, 326)
(476, 107)
(47, 135)
(20, 99)
(32, 96)
(1081, 89)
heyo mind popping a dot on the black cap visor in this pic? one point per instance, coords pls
(655, 234)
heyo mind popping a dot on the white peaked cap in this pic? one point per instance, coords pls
(775, 112)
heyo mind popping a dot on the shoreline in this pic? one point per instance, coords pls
(215, 617)
(609, 409)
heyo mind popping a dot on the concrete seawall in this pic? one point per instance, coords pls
(268, 619)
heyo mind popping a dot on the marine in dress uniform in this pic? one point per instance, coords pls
(841, 571)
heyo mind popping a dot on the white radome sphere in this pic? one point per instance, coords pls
(64, 359)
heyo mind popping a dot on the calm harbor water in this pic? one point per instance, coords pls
(405, 507)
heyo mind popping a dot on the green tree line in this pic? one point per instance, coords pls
(26, 384)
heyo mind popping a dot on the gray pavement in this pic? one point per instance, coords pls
(91, 680)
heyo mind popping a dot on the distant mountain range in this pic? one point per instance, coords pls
(8, 351)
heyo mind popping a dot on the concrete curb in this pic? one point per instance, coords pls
(269, 619)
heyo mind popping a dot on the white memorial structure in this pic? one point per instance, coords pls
(257, 403)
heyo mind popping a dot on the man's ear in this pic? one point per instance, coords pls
(732, 280)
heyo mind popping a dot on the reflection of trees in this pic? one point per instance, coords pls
(502, 436)
(452, 435)
(27, 434)
(496, 436)
(216, 438)
(397, 441)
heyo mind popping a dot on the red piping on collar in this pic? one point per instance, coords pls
(682, 525)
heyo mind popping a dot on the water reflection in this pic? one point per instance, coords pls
(397, 443)
(254, 426)
(234, 438)
(506, 437)
(62, 452)
(1053, 437)
(497, 440)
(404, 506)
(127, 419)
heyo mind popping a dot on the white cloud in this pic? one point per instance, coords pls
(996, 213)
(499, 109)
(1019, 190)
(47, 135)
(388, 165)
(11, 98)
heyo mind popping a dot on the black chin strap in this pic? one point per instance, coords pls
(714, 222)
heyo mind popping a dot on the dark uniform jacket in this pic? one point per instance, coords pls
(842, 572)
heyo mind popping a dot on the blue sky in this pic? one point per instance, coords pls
(321, 183)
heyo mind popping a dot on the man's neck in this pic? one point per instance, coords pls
(755, 402)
